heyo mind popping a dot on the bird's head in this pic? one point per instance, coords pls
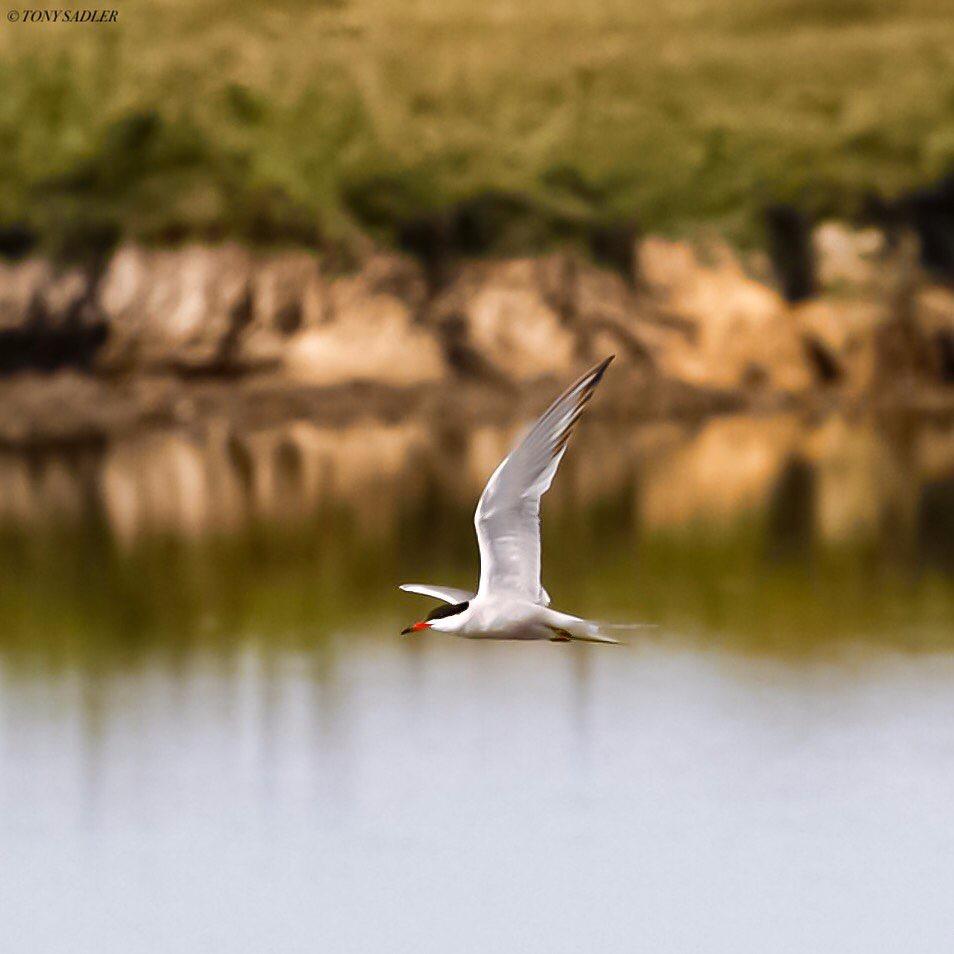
(444, 619)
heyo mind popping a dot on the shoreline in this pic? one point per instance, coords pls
(172, 337)
(53, 413)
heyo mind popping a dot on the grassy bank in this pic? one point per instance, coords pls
(305, 119)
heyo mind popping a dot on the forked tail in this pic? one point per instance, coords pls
(566, 627)
(597, 637)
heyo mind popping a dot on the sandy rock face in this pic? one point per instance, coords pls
(20, 285)
(289, 294)
(368, 335)
(845, 331)
(510, 323)
(48, 319)
(743, 330)
(35, 290)
(936, 313)
(847, 257)
(174, 307)
(698, 319)
(220, 308)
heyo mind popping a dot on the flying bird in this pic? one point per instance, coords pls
(510, 602)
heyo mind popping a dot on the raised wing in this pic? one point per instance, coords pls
(508, 513)
(446, 593)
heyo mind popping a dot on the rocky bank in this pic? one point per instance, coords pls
(177, 335)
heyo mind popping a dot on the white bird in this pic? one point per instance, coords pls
(510, 602)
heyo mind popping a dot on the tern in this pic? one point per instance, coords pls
(510, 602)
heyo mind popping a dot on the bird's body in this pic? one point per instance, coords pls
(507, 617)
(510, 602)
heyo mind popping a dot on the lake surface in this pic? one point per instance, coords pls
(212, 737)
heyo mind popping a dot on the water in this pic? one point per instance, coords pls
(213, 739)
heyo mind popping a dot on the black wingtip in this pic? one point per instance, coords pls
(600, 369)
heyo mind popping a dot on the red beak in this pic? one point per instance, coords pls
(415, 628)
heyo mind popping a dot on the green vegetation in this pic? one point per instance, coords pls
(294, 120)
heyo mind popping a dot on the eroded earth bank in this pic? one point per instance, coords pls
(160, 338)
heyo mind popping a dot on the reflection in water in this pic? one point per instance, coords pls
(211, 737)
(862, 480)
(769, 532)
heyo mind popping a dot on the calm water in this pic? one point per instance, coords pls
(213, 739)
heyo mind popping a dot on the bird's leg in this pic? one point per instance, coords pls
(559, 635)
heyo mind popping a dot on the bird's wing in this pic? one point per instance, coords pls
(446, 593)
(508, 513)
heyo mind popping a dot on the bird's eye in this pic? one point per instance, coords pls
(443, 611)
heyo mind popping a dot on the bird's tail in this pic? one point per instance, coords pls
(566, 627)
(597, 637)
(600, 634)
(602, 628)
